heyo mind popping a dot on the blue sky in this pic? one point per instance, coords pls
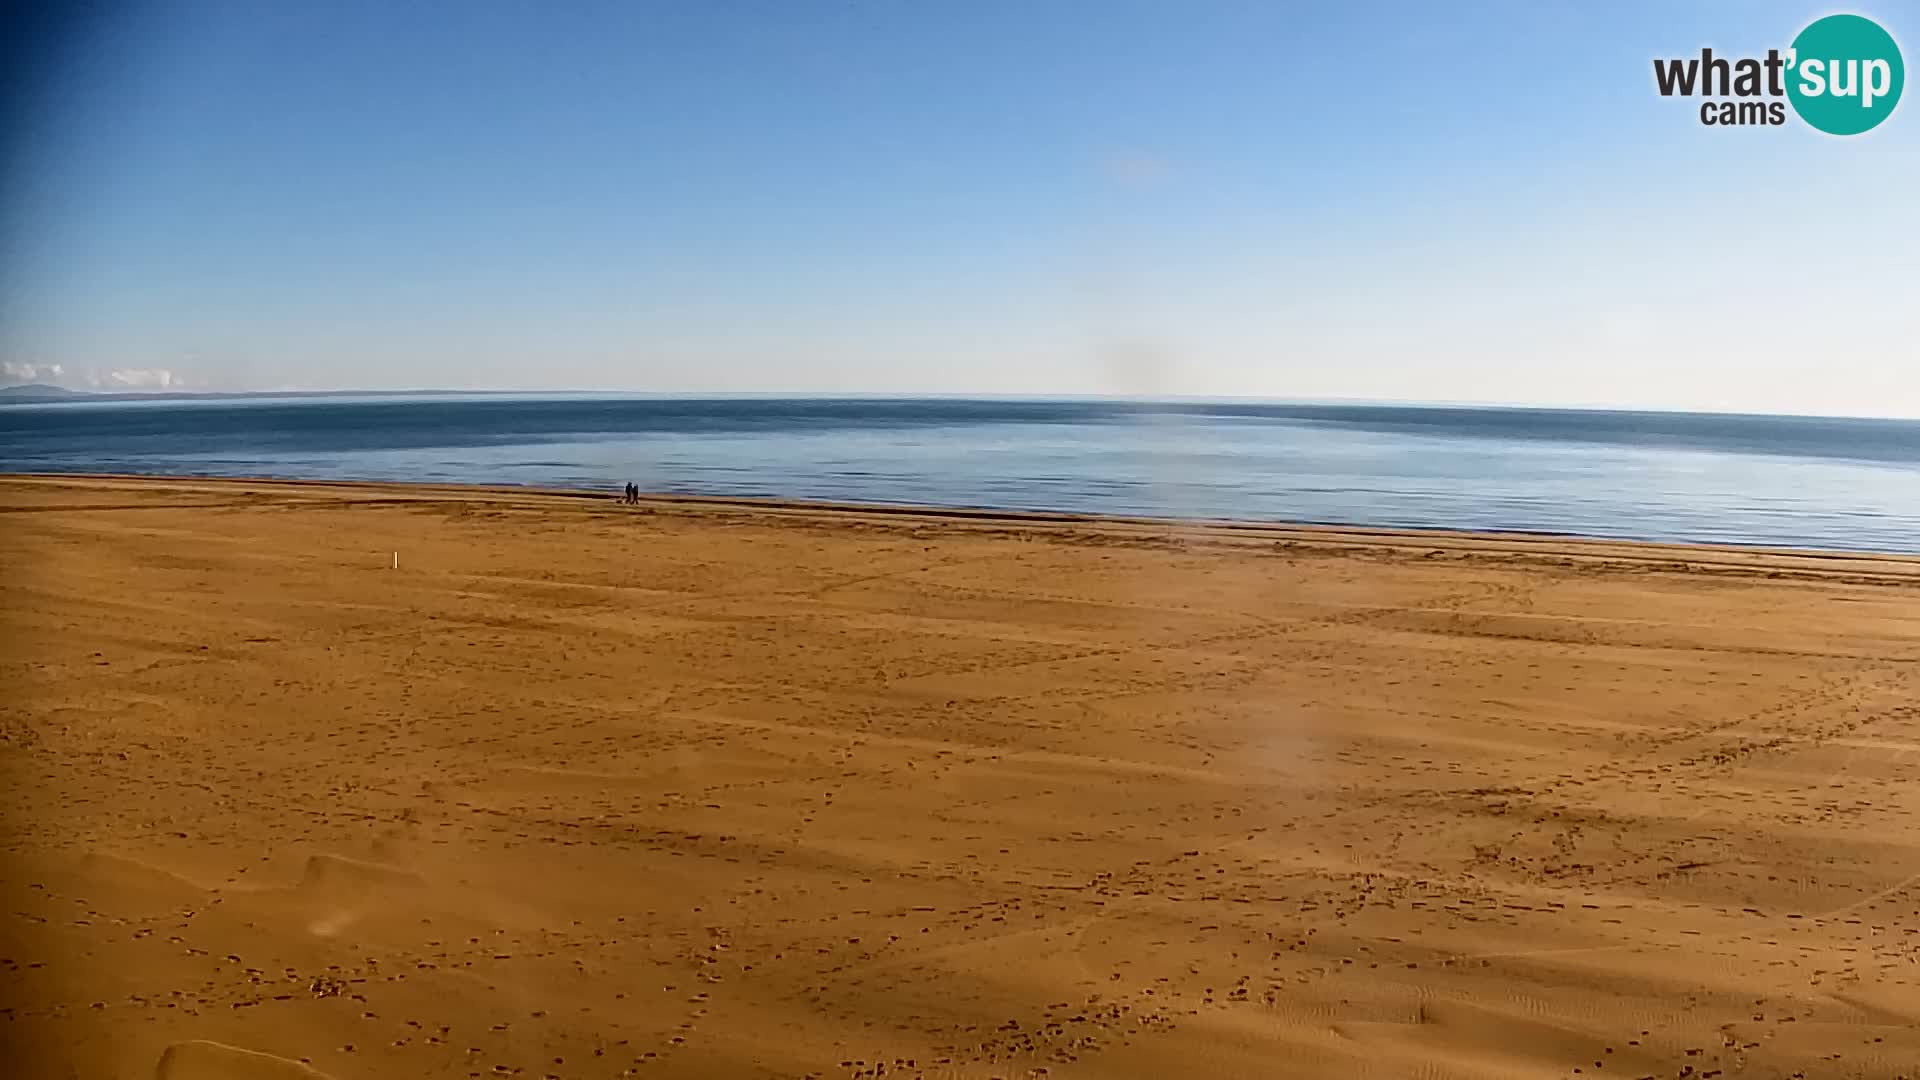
(1397, 201)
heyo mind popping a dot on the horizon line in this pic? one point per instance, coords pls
(53, 395)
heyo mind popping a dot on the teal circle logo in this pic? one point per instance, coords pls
(1845, 74)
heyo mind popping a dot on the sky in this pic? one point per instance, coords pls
(1409, 202)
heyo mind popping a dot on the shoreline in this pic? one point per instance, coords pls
(1886, 567)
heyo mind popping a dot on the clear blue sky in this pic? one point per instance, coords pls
(1482, 202)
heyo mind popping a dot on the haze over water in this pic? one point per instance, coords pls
(1843, 484)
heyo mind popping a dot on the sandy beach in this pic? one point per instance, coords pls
(705, 789)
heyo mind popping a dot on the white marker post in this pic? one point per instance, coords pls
(396, 560)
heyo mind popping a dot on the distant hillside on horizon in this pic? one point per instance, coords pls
(37, 392)
(49, 392)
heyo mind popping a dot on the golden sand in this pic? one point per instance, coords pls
(717, 790)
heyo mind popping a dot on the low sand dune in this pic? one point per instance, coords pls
(714, 790)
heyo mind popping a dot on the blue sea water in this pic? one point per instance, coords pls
(1843, 484)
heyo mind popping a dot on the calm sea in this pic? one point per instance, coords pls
(1795, 481)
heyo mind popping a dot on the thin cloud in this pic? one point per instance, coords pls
(133, 379)
(13, 371)
(1135, 169)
